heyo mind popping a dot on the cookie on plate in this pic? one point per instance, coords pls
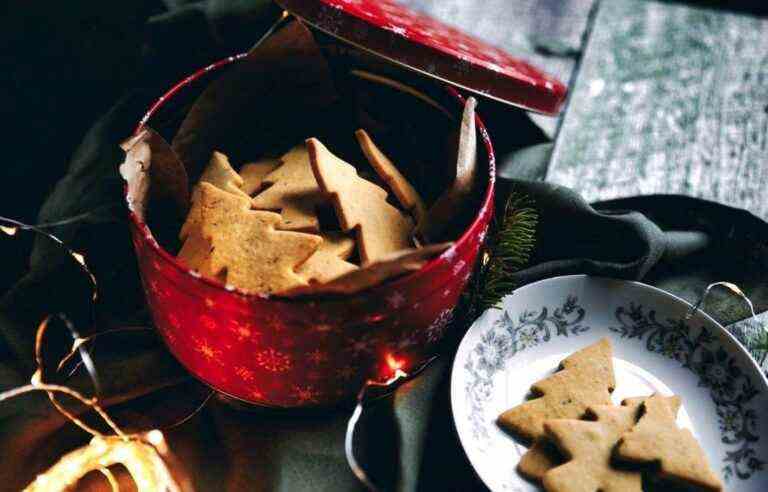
(657, 439)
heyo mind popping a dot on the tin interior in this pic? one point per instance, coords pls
(414, 120)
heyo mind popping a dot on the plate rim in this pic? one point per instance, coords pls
(560, 278)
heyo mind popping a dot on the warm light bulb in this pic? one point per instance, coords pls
(11, 231)
(155, 437)
(393, 363)
(395, 367)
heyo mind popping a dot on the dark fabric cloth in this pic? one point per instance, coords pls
(678, 243)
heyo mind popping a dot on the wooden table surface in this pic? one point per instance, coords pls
(665, 97)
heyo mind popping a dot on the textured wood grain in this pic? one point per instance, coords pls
(529, 29)
(669, 99)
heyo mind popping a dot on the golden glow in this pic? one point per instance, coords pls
(143, 455)
(733, 288)
(393, 363)
(140, 458)
(80, 258)
(111, 479)
(396, 366)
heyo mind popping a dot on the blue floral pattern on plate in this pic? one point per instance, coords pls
(657, 348)
(505, 340)
(731, 389)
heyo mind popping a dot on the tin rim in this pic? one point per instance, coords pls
(486, 205)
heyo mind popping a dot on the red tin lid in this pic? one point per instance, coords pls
(422, 43)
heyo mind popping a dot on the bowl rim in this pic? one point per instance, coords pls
(485, 207)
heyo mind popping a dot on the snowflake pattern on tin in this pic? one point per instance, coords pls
(362, 345)
(459, 266)
(482, 235)
(256, 394)
(243, 330)
(170, 336)
(305, 394)
(397, 30)
(159, 291)
(412, 339)
(450, 254)
(273, 360)
(274, 323)
(207, 350)
(244, 373)
(208, 322)
(436, 330)
(396, 300)
(173, 321)
(317, 356)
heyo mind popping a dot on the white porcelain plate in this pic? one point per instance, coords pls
(724, 392)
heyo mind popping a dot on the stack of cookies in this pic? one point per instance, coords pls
(260, 230)
(583, 443)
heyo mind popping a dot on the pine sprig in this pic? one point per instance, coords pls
(508, 249)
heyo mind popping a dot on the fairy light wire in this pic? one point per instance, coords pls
(733, 289)
(56, 388)
(370, 392)
(12, 224)
(37, 381)
(154, 438)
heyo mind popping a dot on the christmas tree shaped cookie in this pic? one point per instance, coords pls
(220, 174)
(253, 174)
(328, 263)
(293, 191)
(588, 447)
(657, 439)
(586, 379)
(244, 245)
(406, 194)
(360, 205)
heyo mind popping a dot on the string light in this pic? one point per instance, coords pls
(14, 225)
(396, 367)
(144, 463)
(142, 455)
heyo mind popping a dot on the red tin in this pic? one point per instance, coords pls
(297, 353)
(419, 42)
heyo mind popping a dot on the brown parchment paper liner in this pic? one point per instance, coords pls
(281, 93)
(266, 103)
(152, 167)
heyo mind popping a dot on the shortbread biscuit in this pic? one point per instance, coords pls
(586, 379)
(328, 262)
(253, 174)
(360, 205)
(391, 266)
(406, 194)
(247, 247)
(657, 439)
(292, 190)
